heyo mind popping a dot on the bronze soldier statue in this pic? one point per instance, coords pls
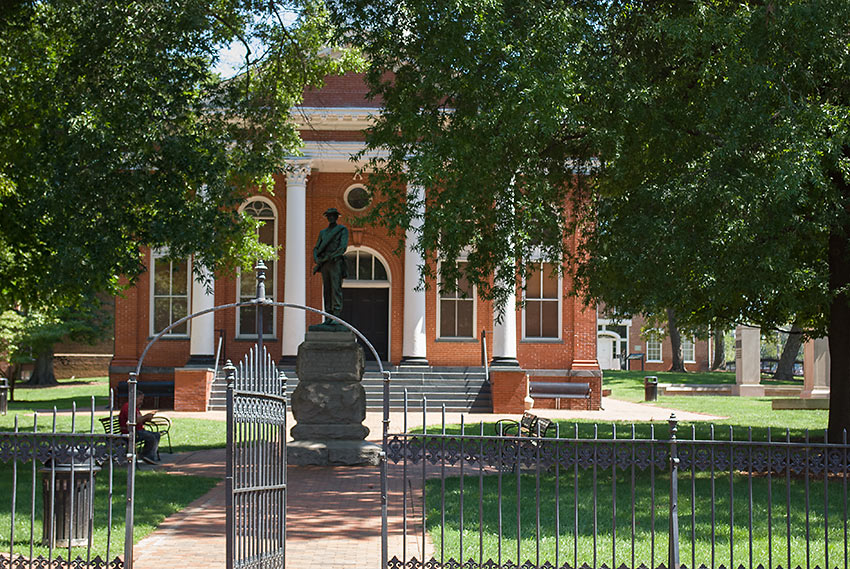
(330, 261)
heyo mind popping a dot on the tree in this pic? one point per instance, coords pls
(115, 134)
(30, 337)
(678, 362)
(706, 144)
(790, 351)
(718, 362)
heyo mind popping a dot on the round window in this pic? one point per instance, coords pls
(357, 198)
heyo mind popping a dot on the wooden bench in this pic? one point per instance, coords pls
(529, 425)
(157, 424)
(558, 390)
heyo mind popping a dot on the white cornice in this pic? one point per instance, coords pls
(334, 118)
(333, 156)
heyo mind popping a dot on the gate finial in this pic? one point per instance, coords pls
(261, 280)
(229, 372)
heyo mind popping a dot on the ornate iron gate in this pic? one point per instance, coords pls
(256, 462)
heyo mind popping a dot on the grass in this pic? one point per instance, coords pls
(586, 545)
(628, 385)
(737, 412)
(157, 495)
(186, 434)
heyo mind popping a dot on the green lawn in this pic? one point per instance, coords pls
(578, 541)
(186, 434)
(738, 412)
(157, 495)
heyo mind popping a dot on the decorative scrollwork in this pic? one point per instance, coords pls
(41, 562)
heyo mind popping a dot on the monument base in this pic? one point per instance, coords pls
(783, 404)
(748, 390)
(332, 453)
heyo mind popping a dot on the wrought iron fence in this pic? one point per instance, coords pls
(609, 496)
(59, 476)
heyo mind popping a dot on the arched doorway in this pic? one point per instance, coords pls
(366, 298)
(606, 350)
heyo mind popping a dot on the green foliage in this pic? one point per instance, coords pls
(23, 336)
(115, 133)
(706, 144)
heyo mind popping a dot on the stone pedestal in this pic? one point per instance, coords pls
(748, 362)
(816, 365)
(329, 403)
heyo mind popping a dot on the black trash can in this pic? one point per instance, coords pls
(650, 388)
(83, 494)
(4, 395)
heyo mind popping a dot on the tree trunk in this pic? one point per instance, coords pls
(718, 363)
(43, 372)
(785, 367)
(676, 342)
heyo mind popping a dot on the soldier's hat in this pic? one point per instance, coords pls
(331, 211)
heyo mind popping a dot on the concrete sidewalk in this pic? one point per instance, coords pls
(333, 513)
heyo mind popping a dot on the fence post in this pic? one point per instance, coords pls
(673, 531)
(129, 521)
(230, 529)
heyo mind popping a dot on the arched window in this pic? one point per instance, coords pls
(263, 211)
(364, 266)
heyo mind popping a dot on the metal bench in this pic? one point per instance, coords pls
(529, 425)
(558, 390)
(157, 424)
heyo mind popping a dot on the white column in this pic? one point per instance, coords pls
(414, 349)
(202, 328)
(295, 275)
(504, 333)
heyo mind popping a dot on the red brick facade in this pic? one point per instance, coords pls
(325, 188)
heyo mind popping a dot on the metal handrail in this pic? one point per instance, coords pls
(484, 358)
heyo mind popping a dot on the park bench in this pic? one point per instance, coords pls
(152, 390)
(157, 424)
(558, 390)
(529, 425)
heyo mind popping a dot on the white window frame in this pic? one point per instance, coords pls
(693, 349)
(271, 269)
(472, 298)
(655, 337)
(557, 299)
(158, 254)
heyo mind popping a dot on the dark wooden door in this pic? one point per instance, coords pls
(368, 310)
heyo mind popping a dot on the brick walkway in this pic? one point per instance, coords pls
(333, 514)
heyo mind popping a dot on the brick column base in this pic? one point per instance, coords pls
(192, 388)
(509, 391)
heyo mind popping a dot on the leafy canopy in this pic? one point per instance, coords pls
(705, 142)
(115, 133)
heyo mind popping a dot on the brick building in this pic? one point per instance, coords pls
(618, 338)
(407, 326)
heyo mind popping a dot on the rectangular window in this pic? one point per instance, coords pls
(542, 302)
(457, 308)
(653, 347)
(688, 350)
(170, 284)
